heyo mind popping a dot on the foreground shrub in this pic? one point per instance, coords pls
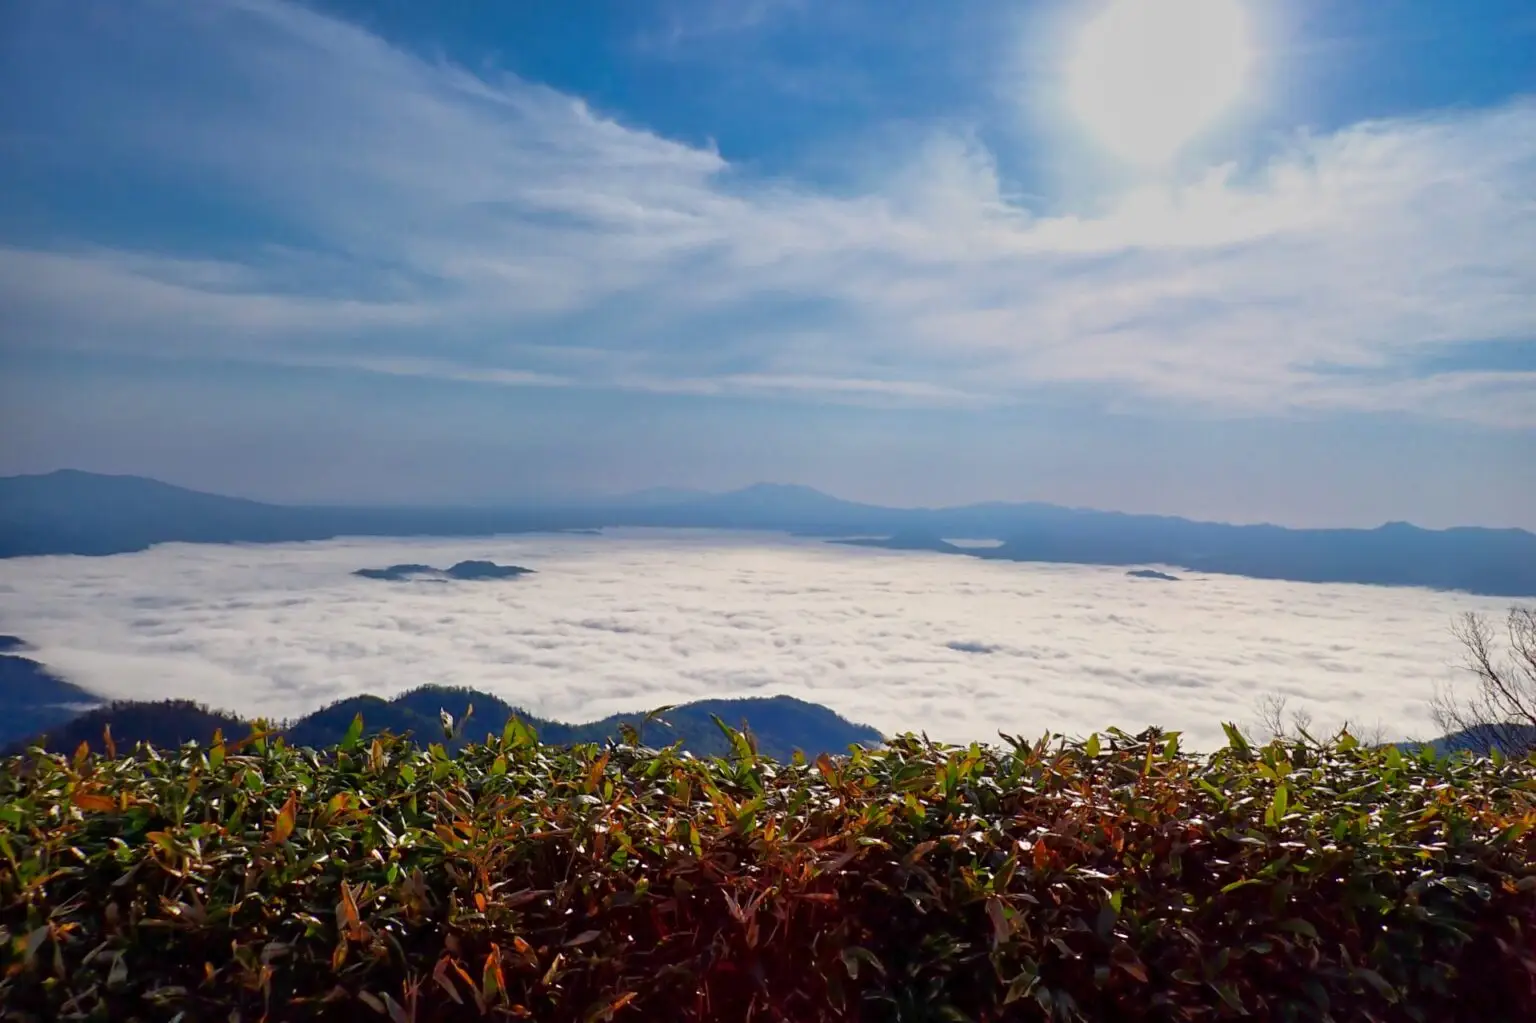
(1116, 879)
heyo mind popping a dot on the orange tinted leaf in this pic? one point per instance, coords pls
(919, 850)
(605, 1012)
(94, 801)
(493, 983)
(347, 914)
(596, 773)
(440, 974)
(285, 821)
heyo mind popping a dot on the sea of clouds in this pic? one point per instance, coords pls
(958, 647)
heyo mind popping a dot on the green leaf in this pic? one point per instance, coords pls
(1379, 982)
(1278, 805)
(517, 735)
(34, 943)
(1021, 987)
(1092, 746)
(1235, 739)
(854, 955)
(1299, 926)
(656, 716)
(118, 975)
(1215, 793)
(354, 733)
(1229, 995)
(397, 1013)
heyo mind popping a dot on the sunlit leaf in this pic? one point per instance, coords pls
(282, 828)
(93, 801)
(353, 734)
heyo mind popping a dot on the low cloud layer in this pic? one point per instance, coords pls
(954, 646)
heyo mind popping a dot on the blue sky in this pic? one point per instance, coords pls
(477, 251)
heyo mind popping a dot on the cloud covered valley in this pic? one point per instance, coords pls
(627, 621)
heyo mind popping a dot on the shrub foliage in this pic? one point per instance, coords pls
(1114, 879)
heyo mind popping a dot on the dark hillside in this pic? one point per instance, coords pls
(780, 725)
(165, 724)
(32, 698)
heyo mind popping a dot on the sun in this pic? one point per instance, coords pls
(1149, 75)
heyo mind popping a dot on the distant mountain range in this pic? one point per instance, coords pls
(71, 512)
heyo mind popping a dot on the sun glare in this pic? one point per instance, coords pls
(1149, 75)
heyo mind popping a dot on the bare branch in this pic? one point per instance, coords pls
(1498, 708)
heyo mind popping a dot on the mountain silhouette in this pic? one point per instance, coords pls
(32, 698)
(780, 725)
(71, 512)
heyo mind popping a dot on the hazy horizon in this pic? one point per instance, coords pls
(667, 493)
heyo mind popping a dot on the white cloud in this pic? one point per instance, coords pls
(626, 622)
(478, 226)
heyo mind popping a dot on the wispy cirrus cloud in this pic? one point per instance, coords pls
(379, 210)
(686, 24)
